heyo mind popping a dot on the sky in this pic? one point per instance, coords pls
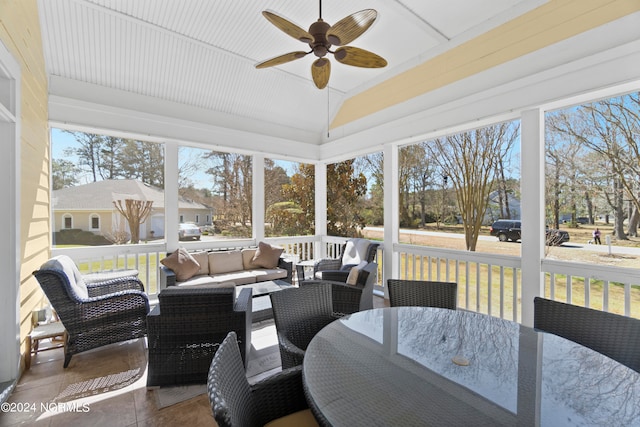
(61, 140)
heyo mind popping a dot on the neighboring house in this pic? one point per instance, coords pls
(90, 207)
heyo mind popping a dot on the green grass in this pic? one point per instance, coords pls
(150, 281)
(474, 287)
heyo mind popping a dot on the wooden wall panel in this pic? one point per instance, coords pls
(551, 23)
(20, 33)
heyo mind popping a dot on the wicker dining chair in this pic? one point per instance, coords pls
(422, 293)
(615, 336)
(94, 314)
(299, 314)
(235, 402)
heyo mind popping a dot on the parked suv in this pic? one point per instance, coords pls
(507, 229)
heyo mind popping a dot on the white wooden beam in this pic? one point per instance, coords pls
(533, 216)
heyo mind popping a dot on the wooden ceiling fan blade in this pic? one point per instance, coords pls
(350, 28)
(288, 27)
(357, 57)
(282, 59)
(320, 71)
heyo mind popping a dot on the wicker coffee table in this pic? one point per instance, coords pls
(261, 304)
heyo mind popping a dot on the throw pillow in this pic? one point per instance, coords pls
(267, 256)
(352, 278)
(355, 251)
(201, 258)
(181, 263)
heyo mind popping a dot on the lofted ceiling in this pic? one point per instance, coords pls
(185, 69)
(202, 53)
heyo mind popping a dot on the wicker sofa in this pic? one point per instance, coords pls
(224, 268)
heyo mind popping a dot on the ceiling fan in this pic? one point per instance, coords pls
(321, 37)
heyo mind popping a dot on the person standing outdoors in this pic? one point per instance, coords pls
(596, 237)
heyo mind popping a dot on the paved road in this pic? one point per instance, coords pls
(593, 248)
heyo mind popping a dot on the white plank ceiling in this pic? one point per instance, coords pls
(202, 53)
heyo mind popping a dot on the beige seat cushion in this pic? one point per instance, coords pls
(181, 263)
(267, 256)
(264, 274)
(202, 258)
(206, 280)
(225, 262)
(297, 419)
(247, 258)
(240, 277)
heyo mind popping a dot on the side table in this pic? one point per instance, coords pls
(303, 268)
(41, 332)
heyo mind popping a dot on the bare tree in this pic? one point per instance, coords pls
(611, 128)
(89, 151)
(232, 178)
(135, 212)
(470, 160)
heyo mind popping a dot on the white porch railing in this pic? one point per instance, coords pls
(145, 258)
(491, 283)
(487, 283)
(613, 289)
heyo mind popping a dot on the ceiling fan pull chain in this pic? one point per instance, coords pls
(328, 110)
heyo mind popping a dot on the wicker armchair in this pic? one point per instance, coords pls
(94, 314)
(187, 327)
(615, 336)
(235, 402)
(352, 253)
(422, 293)
(299, 314)
(348, 298)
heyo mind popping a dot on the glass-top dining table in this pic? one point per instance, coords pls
(413, 366)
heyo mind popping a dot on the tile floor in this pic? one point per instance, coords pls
(101, 387)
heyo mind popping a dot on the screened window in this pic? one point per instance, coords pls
(289, 198)
(120, 180)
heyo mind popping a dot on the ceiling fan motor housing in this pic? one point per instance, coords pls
(320, 45)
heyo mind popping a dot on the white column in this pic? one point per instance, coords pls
(258, 208)
(390, 260)
(533, 202)
(319, 249)
(171, 209)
